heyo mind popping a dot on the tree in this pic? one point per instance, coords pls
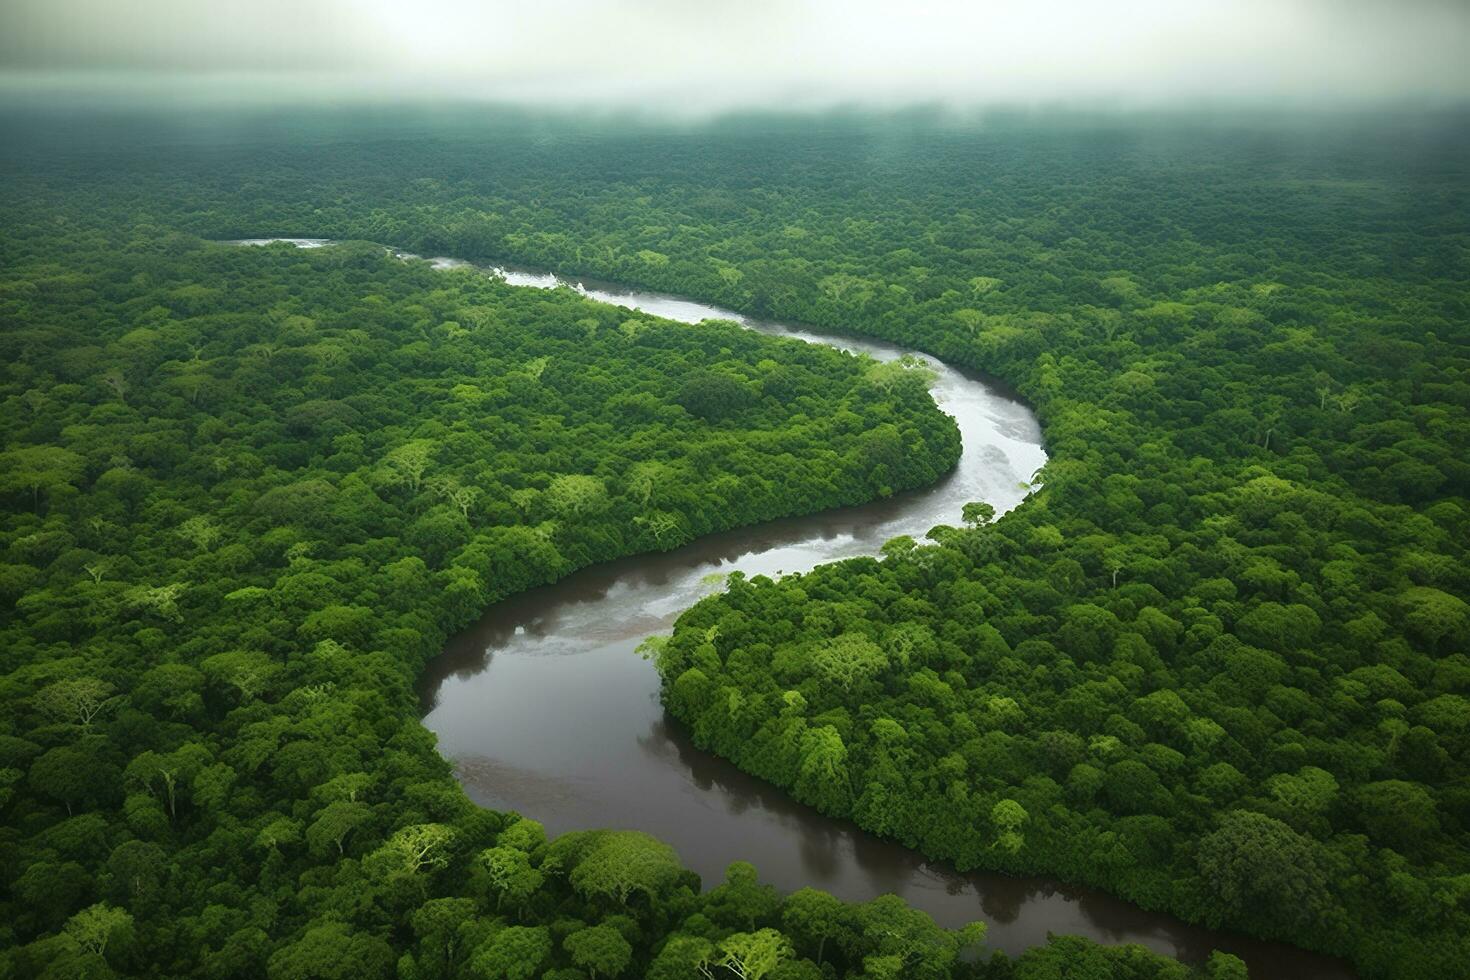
(249, 672)
(682, 957)
(600, 950)
(750, 955)
(439, 924)
(900, 547)
(462, 497)
(1008, 817)
(714, 396)
(667, 529)
(414, 849)
(536, 367)
(1433, 614)
(905, 942)
(161, 600)
(906, 376)
(647, 479)
(572, 495)
(277, 832)
(814, 916)
(135, 874)
(344, 786)
(977, 514)
(848, 660)
(94, 927)
(332, 951)
(843, 288)
(1087, 631)
(199, 531)
(513, 953)
(1253, 861)
(1224, 966)
(624, 863)
(823, 776)
(38, 468)
(1399, 813)
(332, 825)
(524, 835)
(980, 285)
(78, 700)
(970, 320)
(72, 775)
(1308, 793)
(510, 874)
(406, 464)
(741, 901)
(1322, 384)
(162, 774)
(1275, 626)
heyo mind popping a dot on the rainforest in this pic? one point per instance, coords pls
(449, 538)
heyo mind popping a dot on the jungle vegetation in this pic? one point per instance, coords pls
(1215, 664)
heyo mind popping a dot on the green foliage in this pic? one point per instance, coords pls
(239, 520)
(618, 866)
(1215, 663)
(600, 950)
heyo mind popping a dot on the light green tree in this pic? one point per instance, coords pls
(407, 464)
(162, 600)
(848, 660)
(626, 863)
(199, 531)
(413, 849)
(462, 497)
(78, 700)
(510, 874)
(1009, 817)
(574, 495)
(980, 285)
(749, 955)
(94, 927)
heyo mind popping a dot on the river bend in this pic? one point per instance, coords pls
(544, 707)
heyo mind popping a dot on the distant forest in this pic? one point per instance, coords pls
(1216, 663)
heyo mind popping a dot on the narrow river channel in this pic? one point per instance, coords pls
(544, 707)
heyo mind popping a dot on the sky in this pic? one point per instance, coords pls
(723, 54)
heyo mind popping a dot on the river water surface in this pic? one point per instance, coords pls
(545, 708)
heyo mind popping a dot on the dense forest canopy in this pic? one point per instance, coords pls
(1216, 664)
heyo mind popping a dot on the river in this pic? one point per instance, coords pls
(544, 708)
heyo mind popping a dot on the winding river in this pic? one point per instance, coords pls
(544, 707)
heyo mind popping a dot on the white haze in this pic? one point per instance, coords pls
(696, 55)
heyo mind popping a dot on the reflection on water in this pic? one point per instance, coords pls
(546, 709)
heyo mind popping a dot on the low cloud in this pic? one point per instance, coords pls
(696, 54)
